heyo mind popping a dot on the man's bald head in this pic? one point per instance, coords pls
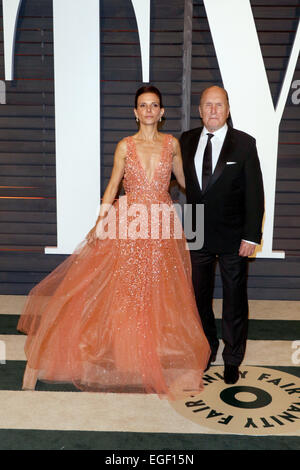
(214, 108)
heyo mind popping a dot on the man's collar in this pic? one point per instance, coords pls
(220, 133)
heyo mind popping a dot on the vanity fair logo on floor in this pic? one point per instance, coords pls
(263, 402)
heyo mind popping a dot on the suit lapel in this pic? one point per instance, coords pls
(193, 144)
(223, 157)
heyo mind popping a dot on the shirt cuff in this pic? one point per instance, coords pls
(252, 243)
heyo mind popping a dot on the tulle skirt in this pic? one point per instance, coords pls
(118, 315)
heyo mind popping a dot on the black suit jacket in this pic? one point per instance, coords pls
(234, 198)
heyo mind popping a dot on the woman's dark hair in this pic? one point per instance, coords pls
(148, 89)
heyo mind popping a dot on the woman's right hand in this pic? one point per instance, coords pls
(97, 232)
(91, 236)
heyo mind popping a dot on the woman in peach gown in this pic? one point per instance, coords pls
(119, 314)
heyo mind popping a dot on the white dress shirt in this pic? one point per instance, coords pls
(216, 142)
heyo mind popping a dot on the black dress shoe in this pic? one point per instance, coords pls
(211, 359)
(231, 374)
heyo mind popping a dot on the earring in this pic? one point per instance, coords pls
(137, 119)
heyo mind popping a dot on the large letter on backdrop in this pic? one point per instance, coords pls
(142, 14)
(77, 112)
(244, 77)
(76, 30)
(10, 17)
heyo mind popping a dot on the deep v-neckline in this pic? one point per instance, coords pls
(157, 164)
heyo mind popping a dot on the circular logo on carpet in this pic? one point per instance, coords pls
(263, 401)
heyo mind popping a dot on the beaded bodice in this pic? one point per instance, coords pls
(135, 179)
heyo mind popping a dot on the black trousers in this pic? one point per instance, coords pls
(233, 269)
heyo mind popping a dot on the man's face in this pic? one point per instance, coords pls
(214, 108)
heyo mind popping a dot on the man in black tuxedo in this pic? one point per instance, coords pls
(222, 172)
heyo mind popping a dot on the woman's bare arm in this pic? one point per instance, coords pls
(177, 163)
(112, 187)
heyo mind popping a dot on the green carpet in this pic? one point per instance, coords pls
(133, 443)
(81, 440)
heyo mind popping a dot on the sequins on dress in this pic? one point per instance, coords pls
(120, 315)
